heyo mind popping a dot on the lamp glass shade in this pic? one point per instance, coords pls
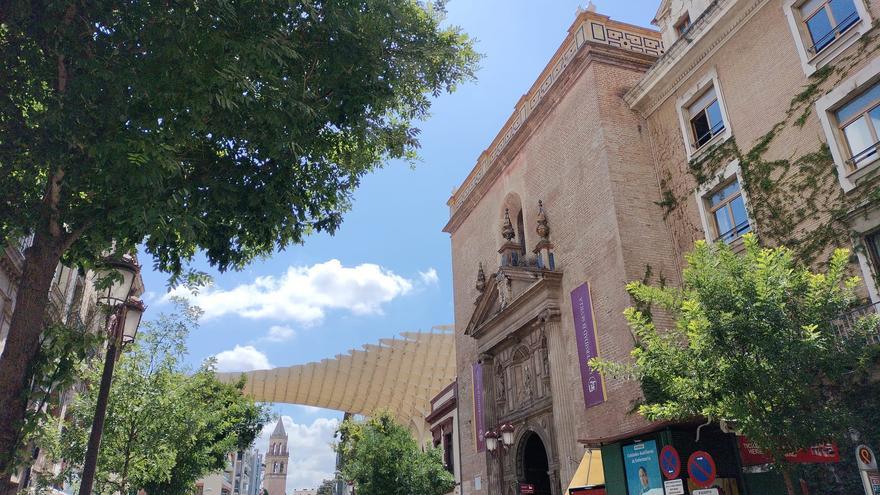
(491, 441)
(119, 275)
(507, 435)
(133, 314)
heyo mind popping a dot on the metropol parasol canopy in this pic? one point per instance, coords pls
(400, 374)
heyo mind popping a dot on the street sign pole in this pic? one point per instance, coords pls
(868, 468)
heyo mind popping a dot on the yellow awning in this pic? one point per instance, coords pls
(589, 472)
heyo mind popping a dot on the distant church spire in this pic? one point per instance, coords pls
(275, 477)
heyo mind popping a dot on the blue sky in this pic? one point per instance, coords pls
(297, 306)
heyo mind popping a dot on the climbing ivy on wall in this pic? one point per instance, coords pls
(795, 201)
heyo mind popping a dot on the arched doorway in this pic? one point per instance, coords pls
(535, 465)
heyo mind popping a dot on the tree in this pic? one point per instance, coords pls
(231, 128)
(326, 487)
(382, 458)
(165, 428)
(754, 343)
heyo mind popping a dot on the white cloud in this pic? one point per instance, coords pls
(429, 277)
(304, 294)
(278, 333)
(245, 358)
(312, 459)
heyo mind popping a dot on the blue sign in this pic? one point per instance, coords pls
(642, 469)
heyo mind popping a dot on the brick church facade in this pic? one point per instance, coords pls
(590, 185)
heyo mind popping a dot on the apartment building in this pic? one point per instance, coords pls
(72, 302)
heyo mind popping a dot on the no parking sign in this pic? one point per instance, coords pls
(670, 462)
(701, 468)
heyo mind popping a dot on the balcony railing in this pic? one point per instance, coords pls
(825, 40)
(844, 325)
(25, 242)
(862, 155)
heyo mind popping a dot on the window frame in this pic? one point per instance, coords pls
(682, 25)
(811, 62)
(835, 23)
(864, 113)
(705, 113)
(846, 91)
(725, 203)
(865, 223)
(703, 194)
(709, 81)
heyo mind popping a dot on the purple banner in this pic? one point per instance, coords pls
(588, 347)
(479, 421)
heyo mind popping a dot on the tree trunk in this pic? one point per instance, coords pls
(789, 484)
(22, 346)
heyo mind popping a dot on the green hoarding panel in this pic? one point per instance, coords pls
(615, 477)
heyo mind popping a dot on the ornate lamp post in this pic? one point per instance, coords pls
(504, 433)
(498, 442)
(124, 314)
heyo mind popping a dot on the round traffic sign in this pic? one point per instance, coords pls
(701, 468)
(670, 462)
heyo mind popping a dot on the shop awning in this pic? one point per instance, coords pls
(589, 471)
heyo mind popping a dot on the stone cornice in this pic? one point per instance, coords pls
(595, 32)
(718, 23)
(536, 302)
(486, 171)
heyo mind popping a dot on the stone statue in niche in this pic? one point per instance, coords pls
(527, 382)
(545, 354)
(504, 289)
(500, 391)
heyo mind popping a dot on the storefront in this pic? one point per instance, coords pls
(675, 460)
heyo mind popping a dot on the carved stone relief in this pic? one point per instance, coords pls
(522, 374)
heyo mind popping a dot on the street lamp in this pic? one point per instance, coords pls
(491, 441)
(124, 313)
(507, 434)
(504, 433)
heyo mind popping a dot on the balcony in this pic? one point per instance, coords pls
(844, 325)
(15, 253)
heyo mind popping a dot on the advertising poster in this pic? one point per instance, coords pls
(642, 469)
(724, 486)
(479, 418)
(587, 345)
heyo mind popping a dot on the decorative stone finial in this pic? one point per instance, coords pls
(481, 279)
(543, 228)
(507, 231)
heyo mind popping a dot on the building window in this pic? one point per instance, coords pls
(823, 29)
(850, 117)
(682, 25)
(872, 245)
(859, 122)
(448, 457)
(521, 232)
(827, 20)
(727, 212)
(705, 117)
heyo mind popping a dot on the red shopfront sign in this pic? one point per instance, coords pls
(823, 453)
(587, 491)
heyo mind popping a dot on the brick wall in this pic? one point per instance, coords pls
(587, 157)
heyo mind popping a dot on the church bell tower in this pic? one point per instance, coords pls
(275, 475)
